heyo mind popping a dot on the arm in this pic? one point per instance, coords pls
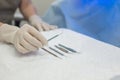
(27, 9)
(29, 13)
(1, 24)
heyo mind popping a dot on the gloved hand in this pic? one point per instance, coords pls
(25, 39)
(39, 24)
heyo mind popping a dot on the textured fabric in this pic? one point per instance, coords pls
(7, 10)
(99, 19)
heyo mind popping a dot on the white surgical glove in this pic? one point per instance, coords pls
(39, 24)
(25, 39)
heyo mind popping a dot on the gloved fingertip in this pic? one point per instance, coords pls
(40, 29)
(35, 49)
(45, 43)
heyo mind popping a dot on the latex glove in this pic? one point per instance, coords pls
(39, 24)
(25, 39)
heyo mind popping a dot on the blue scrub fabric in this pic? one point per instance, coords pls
(99, 19)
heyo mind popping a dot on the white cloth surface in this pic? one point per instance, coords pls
(96, 60)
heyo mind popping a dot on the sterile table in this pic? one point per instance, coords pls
(96, 60)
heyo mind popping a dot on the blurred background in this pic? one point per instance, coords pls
(41, 6)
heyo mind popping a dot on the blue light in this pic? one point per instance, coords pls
(107, 3)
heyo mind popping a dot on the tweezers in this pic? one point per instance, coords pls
(56, 51)
(70, 49)
(62, 49)
(54, 37)
(50, 53)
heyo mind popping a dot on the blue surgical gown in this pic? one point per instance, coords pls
(99, 19)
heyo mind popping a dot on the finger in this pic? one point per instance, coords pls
(38, 36)
(21, 49)
(32, 40)
(28, 46)
(39, 27)
(45, 27)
